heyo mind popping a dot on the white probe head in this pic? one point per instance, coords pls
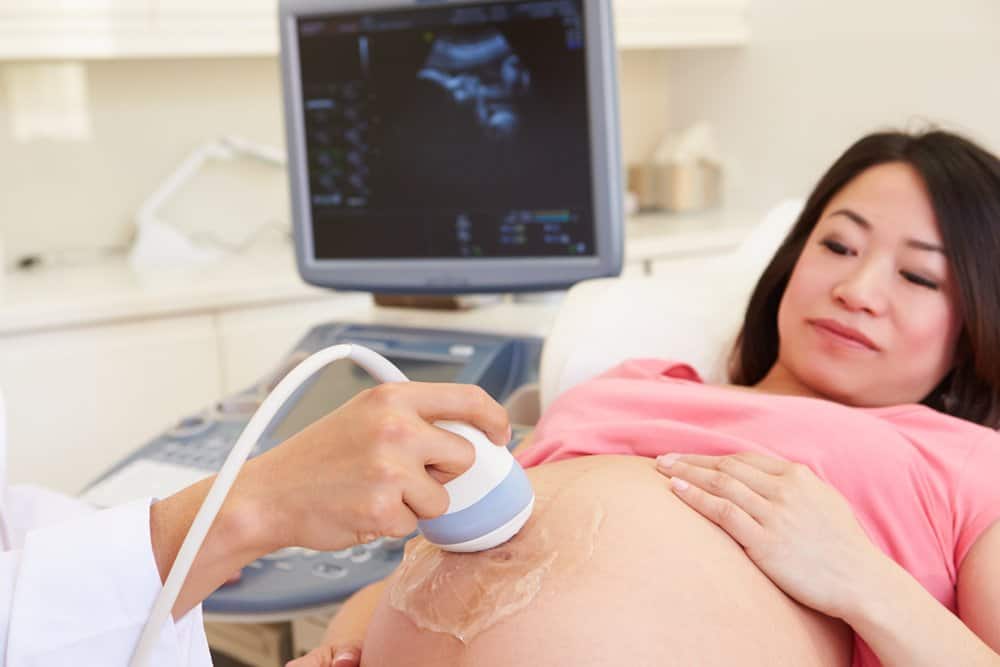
(489, 502)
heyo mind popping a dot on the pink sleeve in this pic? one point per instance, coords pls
(977, 503)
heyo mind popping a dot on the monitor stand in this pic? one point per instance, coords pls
(437, 301)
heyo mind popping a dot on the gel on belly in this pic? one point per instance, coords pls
(488, 503)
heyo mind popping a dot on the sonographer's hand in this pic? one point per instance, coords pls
(371, 468)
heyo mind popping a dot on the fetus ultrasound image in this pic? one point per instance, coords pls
(448, 138)
(480, 72)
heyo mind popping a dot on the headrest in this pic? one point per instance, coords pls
(691, 313)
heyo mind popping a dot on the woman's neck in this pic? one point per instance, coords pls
(779, 381)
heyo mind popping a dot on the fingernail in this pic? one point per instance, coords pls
(679, 484)
(344, 655)
(667, 460)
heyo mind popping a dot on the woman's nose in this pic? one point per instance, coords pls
(863, 290)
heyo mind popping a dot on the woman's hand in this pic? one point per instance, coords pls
(344, 636)
(346, 654)
(798, 530)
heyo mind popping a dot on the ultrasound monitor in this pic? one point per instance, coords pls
(452, 146)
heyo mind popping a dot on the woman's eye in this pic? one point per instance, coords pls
(919, 280)
(837, 247)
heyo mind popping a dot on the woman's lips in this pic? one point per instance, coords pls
(844, 335)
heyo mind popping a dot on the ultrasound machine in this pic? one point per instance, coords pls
(435, 147)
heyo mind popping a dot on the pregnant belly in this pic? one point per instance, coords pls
(612, 569)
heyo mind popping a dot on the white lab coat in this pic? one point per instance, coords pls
(76, 585)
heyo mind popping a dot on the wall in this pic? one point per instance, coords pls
(815, 76)
(146, 116)
(818, 75)
(644, 102)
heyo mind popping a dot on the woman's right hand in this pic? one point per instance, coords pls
(344, 636)
(344, 654)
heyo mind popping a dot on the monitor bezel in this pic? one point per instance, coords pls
(464, 275)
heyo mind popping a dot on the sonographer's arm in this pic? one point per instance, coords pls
(77, 586)
(369, 469)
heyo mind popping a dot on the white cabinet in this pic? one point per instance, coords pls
(218, 27)
(95, 29)
(82, 29)
(60, 29)
(78, 400)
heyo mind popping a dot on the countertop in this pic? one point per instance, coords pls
(57, 297)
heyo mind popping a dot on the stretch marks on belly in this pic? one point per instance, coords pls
(464, 594)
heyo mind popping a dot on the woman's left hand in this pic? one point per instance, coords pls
(798, 530)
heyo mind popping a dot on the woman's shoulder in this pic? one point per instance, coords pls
(923, 419)
(945, 438)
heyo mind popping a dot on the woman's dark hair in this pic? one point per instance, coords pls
(963, 182)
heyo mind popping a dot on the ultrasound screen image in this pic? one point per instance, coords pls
(457, 131)
(481, 71)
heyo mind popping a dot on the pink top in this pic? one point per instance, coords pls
(923, 485)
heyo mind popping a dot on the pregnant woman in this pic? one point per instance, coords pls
(837, 503)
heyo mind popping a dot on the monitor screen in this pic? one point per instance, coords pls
(452, 146)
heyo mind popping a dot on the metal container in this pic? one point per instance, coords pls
(677, 188)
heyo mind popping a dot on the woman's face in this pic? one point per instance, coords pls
(868, 317)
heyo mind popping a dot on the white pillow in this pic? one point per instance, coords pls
(691, 314)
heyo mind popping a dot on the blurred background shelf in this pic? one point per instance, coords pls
(104, 29)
